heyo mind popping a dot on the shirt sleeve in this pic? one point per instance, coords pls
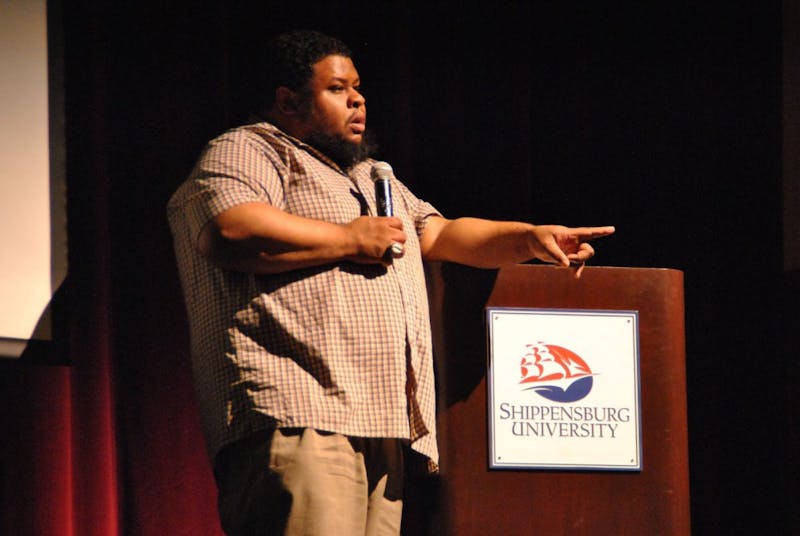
(234, 169)
(421, 211)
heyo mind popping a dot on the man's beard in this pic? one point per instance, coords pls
(346, 154)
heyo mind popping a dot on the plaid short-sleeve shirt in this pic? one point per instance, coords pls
(343, 347)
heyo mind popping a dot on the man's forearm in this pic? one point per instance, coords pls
(480, 243)
(491, 244)
(259, 238)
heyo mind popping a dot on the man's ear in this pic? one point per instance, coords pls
(287, 101)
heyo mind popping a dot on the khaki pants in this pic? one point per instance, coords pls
(302, 482)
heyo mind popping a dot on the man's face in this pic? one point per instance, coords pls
(335, 108)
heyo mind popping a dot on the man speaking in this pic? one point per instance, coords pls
(308, 311)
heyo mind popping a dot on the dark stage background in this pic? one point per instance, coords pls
(664, 121)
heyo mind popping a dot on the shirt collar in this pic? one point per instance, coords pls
(277, 132)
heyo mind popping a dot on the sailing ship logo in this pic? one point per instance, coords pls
(555, 373)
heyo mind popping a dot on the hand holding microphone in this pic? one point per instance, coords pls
(381, 175)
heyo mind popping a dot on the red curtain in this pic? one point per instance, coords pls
(78, 461)
(100, 435)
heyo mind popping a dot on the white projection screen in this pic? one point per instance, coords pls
(33, 249)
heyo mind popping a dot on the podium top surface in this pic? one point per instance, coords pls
(598, 287)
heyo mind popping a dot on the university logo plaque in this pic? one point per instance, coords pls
(563, 389)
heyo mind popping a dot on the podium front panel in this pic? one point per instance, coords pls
(478, 500)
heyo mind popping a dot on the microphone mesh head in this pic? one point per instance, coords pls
(381, 171)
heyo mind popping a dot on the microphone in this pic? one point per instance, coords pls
(381, 175)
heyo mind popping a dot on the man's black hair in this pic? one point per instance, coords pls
(291, 57)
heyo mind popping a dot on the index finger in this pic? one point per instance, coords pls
(588, 233)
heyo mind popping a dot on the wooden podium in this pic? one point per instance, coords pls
(474, 500)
